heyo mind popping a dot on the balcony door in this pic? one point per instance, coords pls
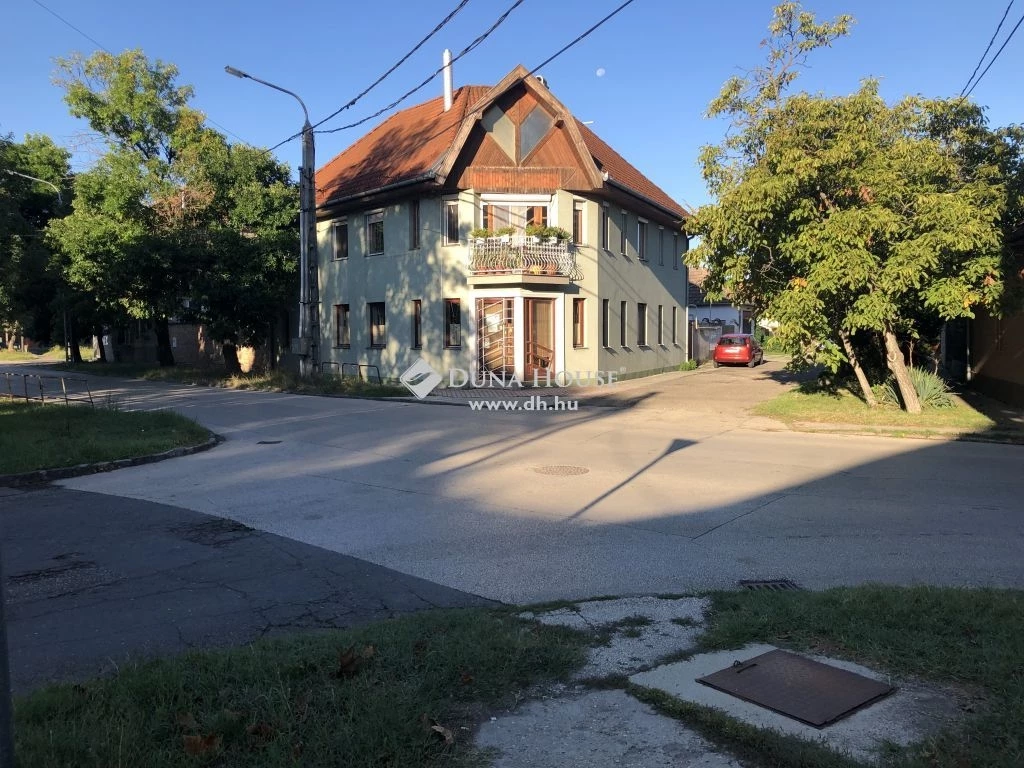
(539, 330)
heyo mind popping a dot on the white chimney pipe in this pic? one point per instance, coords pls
(446, 58)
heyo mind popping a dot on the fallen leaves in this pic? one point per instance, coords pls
(350, 662)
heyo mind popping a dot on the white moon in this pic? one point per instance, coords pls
(600, 72)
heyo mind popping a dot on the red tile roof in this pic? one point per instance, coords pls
(620, 170)
(413, 142)
(406, 145)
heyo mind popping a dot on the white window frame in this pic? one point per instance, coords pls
(445, 204)
(374, 217)
(641, 239)
(335, 226)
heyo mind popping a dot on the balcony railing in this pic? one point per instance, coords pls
(522, 255)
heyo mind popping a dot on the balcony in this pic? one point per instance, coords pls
(521, 259)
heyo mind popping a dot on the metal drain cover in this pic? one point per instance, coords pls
(803, 689)
(560, 470)
(768, 585)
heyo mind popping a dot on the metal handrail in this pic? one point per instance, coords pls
(40, 384)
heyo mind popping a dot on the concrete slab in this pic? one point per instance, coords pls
(598, 729)
(913, 713)
(671, 626)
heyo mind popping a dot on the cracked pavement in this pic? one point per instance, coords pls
(93, 580)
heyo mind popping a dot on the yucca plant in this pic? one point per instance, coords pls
(932, 391)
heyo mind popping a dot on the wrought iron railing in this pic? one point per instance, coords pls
(521, 255)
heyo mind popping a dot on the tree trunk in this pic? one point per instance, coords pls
(858, 370)
(99, 352)
(164, 355)
(231, 364)
(894, 360)
(76, 352)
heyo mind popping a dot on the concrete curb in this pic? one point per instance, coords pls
(40, 476)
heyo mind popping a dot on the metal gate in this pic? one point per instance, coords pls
(703, 339)
(496, 336)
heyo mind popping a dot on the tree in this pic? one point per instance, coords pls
(844, 215)
(173, 221)
(29, 285)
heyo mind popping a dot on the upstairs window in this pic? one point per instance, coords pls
(534, 128)
(519, 217)
(577, 222)
(450, 225)
(414, 225)
(661, 246)
(375, 233)
(340, 239)
(622, 233)
(606, 225)
(641, 240)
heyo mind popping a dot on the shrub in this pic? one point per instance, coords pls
(931, 390)
(689, 365)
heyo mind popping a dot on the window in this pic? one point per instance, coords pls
(641, 240)
(622, 323)
(622, 235)
(414, 225)
(675, 324)
(661, 246)
(417, 324)
(661, 324)
(641, 325)
(606, 311)
(606, 223)
(452, 323)
(534, 128)
(577, 222)
(375, 233)
(450, 226)
(340, 239)
(675, 251)
(519, 217)
(342, 334)
(378, 329)
(578, 308)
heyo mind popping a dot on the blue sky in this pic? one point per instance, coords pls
(661, 62)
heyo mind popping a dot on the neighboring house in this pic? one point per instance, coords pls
(995, 346)
(401, 277)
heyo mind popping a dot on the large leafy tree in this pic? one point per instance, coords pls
(847, 215)
(173, 221)
(29, 286)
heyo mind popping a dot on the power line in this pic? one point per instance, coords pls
(580, 38)
(987, 49)
(478, 41)
(103, 48)
(397, 64)
(996, 56)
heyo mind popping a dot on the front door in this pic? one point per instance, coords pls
(496, 336)
(539, 329)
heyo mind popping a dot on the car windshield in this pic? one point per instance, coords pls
(732, 341)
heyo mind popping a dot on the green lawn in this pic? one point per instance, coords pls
(273, 381)
(843, 407)
(54, 354)
(972, 639)
(34, 436)
(366, 697)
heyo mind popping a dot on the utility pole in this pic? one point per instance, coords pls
(306, 345)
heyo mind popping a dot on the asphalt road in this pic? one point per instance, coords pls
(676, 493)
(94, 580)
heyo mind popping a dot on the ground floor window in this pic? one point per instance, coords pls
(605, 322)
(661, 324)
(578, 335)
(417, 323)
(675, 324)
(641, 325)
(378, 329)
(622, 323)
(452, 323)
(342, 334)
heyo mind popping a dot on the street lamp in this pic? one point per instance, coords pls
(307, 225)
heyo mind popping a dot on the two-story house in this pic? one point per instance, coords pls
(490, 230)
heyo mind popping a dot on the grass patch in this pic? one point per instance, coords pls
(36, 436)
(271, 381)
(806, 404)
(51, 355)
(283, 702)
(970, 638)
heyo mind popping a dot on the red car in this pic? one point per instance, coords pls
(738, 348)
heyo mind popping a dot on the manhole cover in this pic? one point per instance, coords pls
(803, 689)
(769, 585)
(560, 470)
